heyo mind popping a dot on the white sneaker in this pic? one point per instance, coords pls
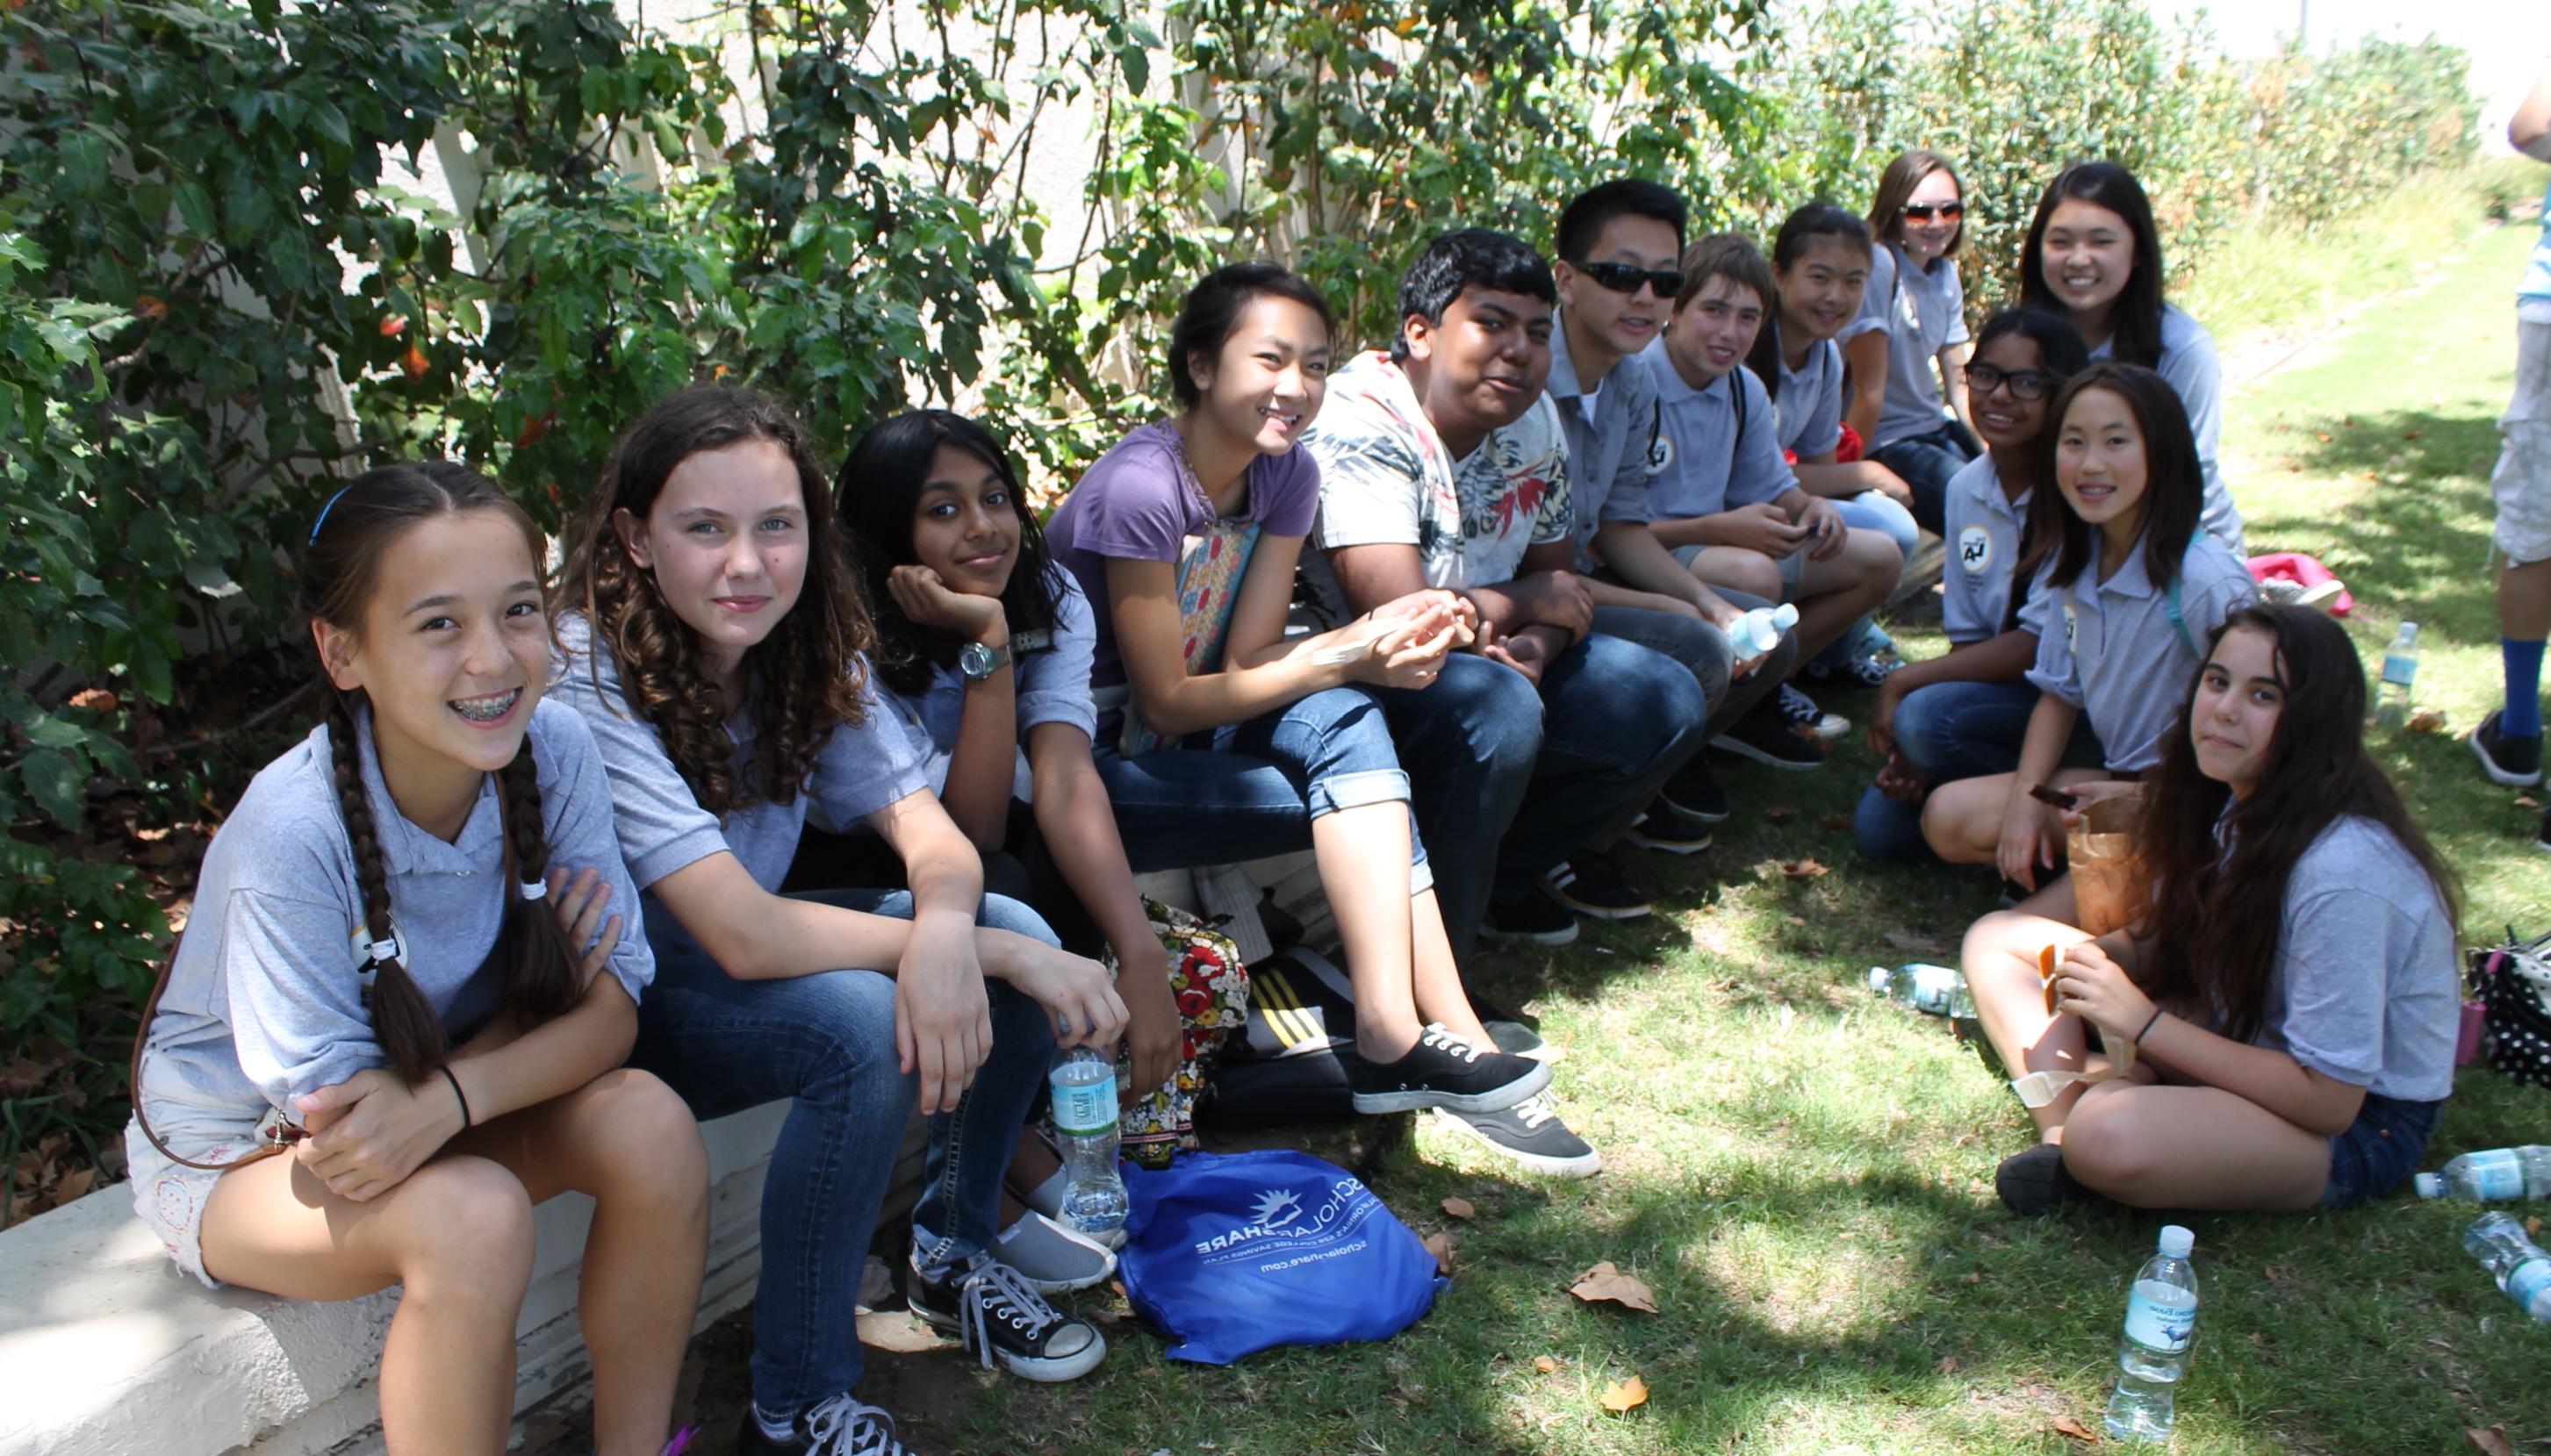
(1051, 1257)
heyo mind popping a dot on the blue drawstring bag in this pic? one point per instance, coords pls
(1230, 1254)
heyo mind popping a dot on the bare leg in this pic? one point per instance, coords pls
(1999, 958)
(627, 1140)
(1834, 593)
(1440, 997)
(458, 1233)
(1962, 820)
(2191, 1147)
(2524, 601)
(1363, 855)
(1746, 571)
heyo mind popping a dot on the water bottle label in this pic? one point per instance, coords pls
(2399, 669)
(2528, 1280)
(2495, 1175)
(2158, 1325)
(1085, 1108)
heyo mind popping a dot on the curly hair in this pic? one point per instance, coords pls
(806, 678)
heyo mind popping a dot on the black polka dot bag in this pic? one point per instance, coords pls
(2512, 983)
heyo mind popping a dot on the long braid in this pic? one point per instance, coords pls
(543, 981)
(409, 1032)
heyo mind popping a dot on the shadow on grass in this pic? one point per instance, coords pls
(2424, 541)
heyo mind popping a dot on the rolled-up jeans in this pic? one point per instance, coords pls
(1956, 730)
(825, 1042)
(1250, 790)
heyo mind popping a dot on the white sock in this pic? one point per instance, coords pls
(777, 1428)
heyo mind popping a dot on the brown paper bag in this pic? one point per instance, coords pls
(2108, 892)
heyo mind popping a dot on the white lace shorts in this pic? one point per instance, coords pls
(2522, 483)
(171, 1197)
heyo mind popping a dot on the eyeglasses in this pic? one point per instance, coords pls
(2025, 384)
(1624, 278)
(1924, 211)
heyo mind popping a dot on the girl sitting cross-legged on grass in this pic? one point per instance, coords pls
(2127, 590)
(2289, 987)
(400, 964)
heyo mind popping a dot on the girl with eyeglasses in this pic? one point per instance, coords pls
(1965, 714)
(1910, 344)
(2094, 255)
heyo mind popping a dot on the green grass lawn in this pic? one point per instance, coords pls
(1804, 1175)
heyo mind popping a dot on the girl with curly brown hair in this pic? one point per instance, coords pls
(715, 640)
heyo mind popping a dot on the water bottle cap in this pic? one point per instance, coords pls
(1877, 978)
(2409, 629)
(2175, 1241)
(1786, 615)
(2430, 1185)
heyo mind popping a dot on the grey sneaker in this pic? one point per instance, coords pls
(1051, 1257)
(1530, 1135)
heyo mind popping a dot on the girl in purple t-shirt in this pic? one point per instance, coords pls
(1220, 739)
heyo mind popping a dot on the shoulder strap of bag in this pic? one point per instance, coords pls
(2178, 621)
(274, 1135)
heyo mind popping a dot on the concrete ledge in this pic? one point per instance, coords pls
(107, 1349)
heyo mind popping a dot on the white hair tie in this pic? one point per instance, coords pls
(382, 953)
(536, 889)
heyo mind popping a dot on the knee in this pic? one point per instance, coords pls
(642, 1138)
(1917, 726)
(1751, 572)
(1874, 555)
(1001, 913)
(2106, 1145)
(466, 1229)
(1497, 713)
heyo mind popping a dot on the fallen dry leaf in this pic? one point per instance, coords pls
(2528, 801)
(1441, 1246)
(1545, 1364)
(96, 700)
(1918, 944)
(1603, 1283)
(1950, 1365)
(75, 1184)
(2533, 1226)
(1834, 821)
(2426, 721)
(1625, 1396)
(1459, 1208)
(2490, 1438)
(2066, 1425)
(2323, 436)
(1777, 814)
(1803, 869)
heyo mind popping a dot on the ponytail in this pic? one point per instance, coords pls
(541, 981)
(409, 1032)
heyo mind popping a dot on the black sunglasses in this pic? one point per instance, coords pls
(2025, 384)
(1624, 278)
(1924, 211)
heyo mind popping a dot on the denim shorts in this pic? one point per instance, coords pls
(2377, 1152)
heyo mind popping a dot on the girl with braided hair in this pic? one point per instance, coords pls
(402, 968)
(715, 640)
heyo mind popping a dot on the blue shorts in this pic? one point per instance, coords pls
(2377, 1152)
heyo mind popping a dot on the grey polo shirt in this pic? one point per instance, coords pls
(862, 768)
(1810, 401)
(1609, 425)
(1984, 536)
(1052, 674)
(263, 1005)
(2188, 361)
(2365, 989)
(1701, 462)
(2110, 649)
(1924, 311)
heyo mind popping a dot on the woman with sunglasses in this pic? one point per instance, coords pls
(1964, 714)
(1909, 346)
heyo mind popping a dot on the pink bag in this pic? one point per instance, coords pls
(2302, 571)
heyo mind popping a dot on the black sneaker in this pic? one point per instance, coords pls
(1802, 709)
(840, 1426)
(1444, 1071)
(1695, 793)
(1508, 1031)
(992, 1310)
(1849, 674)
(1531, 918)
(2515, 763)
(1765, 735)
(1530, 1135)
(1667, 830)
(1593, 887)
(2036, 1181)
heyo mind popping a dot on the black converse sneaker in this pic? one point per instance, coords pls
(1695, 791)
(1667, 830)
(1528, 916)
(2035, 1182)
(1592, 886)
(1529, 1135)
(1444, 1071)
(1766, 737)
(992, 1310)
(840, 1426)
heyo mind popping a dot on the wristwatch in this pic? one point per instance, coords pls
(978, 662)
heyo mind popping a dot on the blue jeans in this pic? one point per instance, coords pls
(826, 1042)
(1706, 651)
(1926, 461)
(1251, 790)
(1510, 780)
(1956, 730)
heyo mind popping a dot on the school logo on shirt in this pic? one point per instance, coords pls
(1974, 549)
(1661, 454)
(359, 942)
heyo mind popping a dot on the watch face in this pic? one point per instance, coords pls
(975, 660)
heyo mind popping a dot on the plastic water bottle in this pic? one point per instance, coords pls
(2516, 1261)
(2494, 1176)
(1083, 1083)
(2161, 1319)
(2400, 670)
(1934, 991)
(1758, 631)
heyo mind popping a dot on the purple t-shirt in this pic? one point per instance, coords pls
(1137, 504)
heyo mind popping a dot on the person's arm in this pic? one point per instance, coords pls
(1820, 519)
(2030, 831)
(943, 1021)
(1761, 527)
(1080, 832)
(1953, 380)
(2529, 129)
(1996, 660)
(1648, 573)
(977, 790)
(1865, 357)
(1825, 477)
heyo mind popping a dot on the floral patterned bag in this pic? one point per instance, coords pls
(1211, 989)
